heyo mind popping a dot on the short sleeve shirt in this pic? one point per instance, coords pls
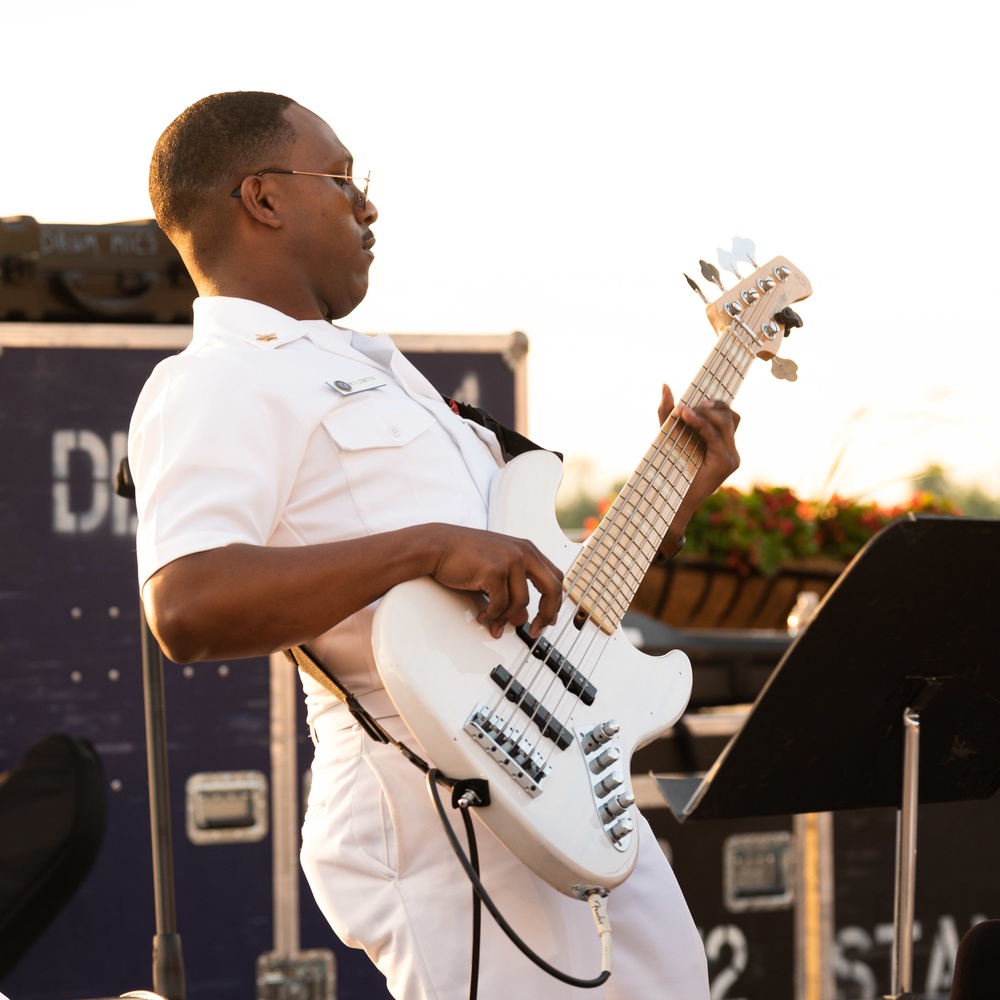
(272, 431)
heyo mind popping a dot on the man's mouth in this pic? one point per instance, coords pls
(368, 242)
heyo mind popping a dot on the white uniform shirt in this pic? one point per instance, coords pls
(243, 438)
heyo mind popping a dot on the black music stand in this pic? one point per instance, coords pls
(901, 662)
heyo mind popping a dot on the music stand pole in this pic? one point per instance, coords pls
(906, 842)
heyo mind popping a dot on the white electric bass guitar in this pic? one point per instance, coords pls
(551, 723)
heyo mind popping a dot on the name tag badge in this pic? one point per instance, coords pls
(348, 387)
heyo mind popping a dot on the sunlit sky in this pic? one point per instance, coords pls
(555, 167)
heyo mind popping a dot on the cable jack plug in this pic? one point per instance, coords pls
(599, 911)
(470, 792)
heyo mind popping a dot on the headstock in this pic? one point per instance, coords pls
(758, 309)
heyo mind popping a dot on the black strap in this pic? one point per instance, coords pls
(124, 483)
(512, 443)
(307, 661)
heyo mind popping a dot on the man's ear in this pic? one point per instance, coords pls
(256, 197)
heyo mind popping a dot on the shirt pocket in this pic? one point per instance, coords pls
(401, 466)
(375, 425)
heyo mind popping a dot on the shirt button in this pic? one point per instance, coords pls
(394, 430)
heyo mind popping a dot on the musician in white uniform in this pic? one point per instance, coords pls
(289, 473)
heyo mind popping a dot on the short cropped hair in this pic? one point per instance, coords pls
(209, 148)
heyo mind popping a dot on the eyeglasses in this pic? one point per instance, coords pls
(362, 192)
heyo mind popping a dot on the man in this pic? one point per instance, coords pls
(276, 508)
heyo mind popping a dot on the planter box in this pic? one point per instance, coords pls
(691, 592)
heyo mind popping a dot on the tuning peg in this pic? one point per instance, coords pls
(785, 369)
(789, 319)
(728, 261)
(744, 249)
(694, 285)
(711, 273)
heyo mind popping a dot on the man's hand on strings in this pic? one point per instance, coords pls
(496, 569)
(715, 422)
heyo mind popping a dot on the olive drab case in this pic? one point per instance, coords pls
(118, 272)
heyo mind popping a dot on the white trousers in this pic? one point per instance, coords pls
(388, 881)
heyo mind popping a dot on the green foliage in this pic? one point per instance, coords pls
(760, 530)
(757, 530)
(572, 513)
(970, 500)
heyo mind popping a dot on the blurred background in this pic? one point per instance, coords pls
(556, 168)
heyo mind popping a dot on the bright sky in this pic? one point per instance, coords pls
(555, 167)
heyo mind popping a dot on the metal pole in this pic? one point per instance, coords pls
(906, 857)
(285, 820)
(168, 962)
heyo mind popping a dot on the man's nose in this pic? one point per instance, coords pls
(367, 213)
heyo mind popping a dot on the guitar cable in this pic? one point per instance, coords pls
(470, 862)
(465, 795)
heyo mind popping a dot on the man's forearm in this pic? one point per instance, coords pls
(248, 600)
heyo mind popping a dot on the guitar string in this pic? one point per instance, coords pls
(687, 441)
(685, 444)
(684, 440)
(720, 359)
(681, 441)
(573, 653)
(680, 438)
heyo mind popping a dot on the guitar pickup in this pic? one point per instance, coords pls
(571, 678)
(516, 692)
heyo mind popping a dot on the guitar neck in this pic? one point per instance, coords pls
(614, 559)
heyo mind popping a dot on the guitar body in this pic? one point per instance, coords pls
(551, 724)
(560, 802)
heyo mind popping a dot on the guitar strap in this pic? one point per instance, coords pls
(308, 662)
(512, 444)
